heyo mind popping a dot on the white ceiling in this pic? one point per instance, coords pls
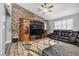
(59, 9)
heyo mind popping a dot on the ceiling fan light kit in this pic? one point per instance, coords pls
(46, 8)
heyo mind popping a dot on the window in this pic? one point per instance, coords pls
(64, 24)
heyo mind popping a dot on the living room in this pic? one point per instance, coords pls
(40, 29)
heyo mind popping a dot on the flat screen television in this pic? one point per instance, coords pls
(36, 28)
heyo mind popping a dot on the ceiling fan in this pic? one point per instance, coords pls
(45, 8)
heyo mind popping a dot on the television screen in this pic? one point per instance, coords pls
(36, 28)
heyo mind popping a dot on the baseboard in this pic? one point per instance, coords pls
(7, 42)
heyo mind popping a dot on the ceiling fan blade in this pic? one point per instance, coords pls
(45, 3)
(51, 6)
(42, 6)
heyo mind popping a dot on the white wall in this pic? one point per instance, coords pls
(8, 30)
(1, 28)
(5, 33)
(50, 26)
(75, 22)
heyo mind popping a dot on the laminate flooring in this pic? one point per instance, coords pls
(31, 48)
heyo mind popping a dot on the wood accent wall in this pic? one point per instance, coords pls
(19, 12)
(24, 30)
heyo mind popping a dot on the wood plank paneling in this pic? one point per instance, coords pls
(24, 30)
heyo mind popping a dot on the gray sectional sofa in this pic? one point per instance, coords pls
(67, 36)
(61, 49)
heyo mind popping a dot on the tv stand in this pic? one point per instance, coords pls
(34, 37)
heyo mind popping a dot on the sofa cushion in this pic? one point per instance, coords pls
(56, 32)
(62, 49)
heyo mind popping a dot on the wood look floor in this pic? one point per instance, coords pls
(31, 48)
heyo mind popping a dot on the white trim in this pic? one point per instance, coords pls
(7, 42)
